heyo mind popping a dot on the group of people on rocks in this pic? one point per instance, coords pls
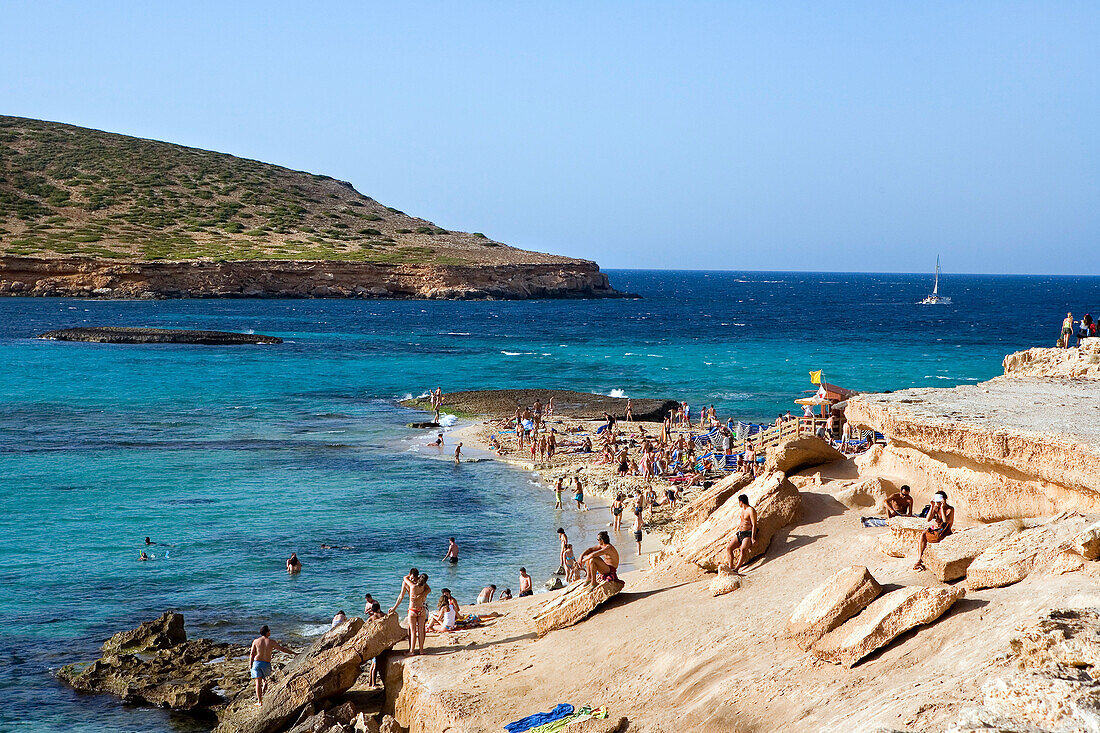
(1082, 329)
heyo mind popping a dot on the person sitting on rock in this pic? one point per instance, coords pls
(940, 521)
(339, 618)
(900, 503)
(600, 561)
(259, 660)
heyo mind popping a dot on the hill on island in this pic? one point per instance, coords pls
(67, 190)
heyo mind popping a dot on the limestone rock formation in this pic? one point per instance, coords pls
(725, 582)
(1080, 363)
(799, 454)
(989, 446)
(777, 503)
(696, 511)
(1017, 555)
(573, 605)
(842, 596)
(1087, 544)
(869, 493)
(883, 621)
(902, 536)
(949, 559)
(327, 669)
(1058, 690)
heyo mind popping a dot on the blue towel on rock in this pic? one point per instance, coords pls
(531, 721)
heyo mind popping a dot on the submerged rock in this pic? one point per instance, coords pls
(128, 335)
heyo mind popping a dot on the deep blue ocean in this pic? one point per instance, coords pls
(236, 456)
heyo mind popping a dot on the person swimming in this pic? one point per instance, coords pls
(293, 564)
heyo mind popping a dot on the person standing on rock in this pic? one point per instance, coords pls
(417, 619)
(259, 660)
(745, 537)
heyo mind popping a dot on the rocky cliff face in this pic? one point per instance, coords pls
(1022, 445)
(1079, 363)
(87, 277)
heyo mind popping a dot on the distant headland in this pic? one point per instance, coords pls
(85, 213)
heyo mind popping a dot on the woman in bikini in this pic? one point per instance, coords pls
(617, 511)
(418, 591)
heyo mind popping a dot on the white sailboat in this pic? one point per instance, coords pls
(935, 298)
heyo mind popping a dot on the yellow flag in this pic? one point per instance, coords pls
(815, 377)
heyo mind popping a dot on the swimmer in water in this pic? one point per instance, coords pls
(143, 557)
(293, 564)
(438, 443)
(458, 454)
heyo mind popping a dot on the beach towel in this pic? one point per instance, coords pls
(532, 721)
(873, 521)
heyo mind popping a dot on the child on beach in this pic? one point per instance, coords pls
(617, 511)
(569, 561)
(638, 530)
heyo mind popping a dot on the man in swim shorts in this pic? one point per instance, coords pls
(452, 552)
(458, 454)
(259, 660)
(524, 583)
(578, 496)
(601, 561)
(745, 537)
(638, 531)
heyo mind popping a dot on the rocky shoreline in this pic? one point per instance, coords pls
(85, 277)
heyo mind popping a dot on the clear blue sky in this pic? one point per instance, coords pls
(724, 135)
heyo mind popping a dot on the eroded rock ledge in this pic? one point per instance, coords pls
(1021, 445)
(81, 277)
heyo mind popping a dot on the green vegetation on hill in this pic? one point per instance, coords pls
(68, 190)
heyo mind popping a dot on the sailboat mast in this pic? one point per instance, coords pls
(936, 286)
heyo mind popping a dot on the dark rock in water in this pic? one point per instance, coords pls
(127, 335)
(164, 633)
(583, 405)
(421, 425)
(154, 664)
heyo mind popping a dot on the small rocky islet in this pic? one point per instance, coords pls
(131, 335)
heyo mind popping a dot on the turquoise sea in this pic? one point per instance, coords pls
(236, 456)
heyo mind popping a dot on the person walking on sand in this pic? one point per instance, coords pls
(452, 552)
(557, 493)
(629, 410)
(259, 660)
(601, 561)
(578, 495)
(617, 512)
(638, 531)
(524, 583)
(746, 535)
(458, 454)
